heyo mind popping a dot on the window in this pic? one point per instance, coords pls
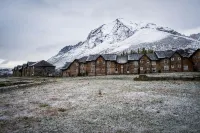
(135, 63)
(153, 63)
(172, 66)
(185, 67)
(135, 69)
(141, 68)
(179, 66)
(165, 61)
(141, 61)
(148, 61)
(127, 69)
(166, 67)
(172, 59)
(82, 66)
(148, 68)
(179, 58)
(153, 69)
(97, 61)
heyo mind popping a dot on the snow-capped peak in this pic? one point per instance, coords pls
(121, 35)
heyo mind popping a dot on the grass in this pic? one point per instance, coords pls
(2, 84)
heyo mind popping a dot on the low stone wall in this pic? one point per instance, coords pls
(154, 78)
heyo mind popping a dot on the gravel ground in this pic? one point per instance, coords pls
(111, 104)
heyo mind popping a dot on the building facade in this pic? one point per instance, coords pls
(112, 64)
(195, 58)
(157, 62)
(40, 68)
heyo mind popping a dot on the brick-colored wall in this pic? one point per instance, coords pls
(133, 67)
(83, 69)
(91, 68)
(155, 66)
(145, 65)
(100, 66)
(111, 67)
(66, 73)
(176, 63)
(74, 68)
(187, 65)
(164, 65)
(196, 60)
(41, 71)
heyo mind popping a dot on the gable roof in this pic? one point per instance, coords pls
(164, 54)
(109, 57)
(42, 63)
(66, 66)
(92, 57)
(83, 59)
(135, 56)
(122, 59)
(30, 63)
(152, 56)
(194, 52)
(15, 68)
(24, 65)
(19, 67)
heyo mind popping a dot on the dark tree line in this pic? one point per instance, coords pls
(139, 51)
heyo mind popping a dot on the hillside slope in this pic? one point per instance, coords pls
(121, 35)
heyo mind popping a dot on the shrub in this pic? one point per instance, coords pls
(44, 105)
(61, 109)
(100, 93)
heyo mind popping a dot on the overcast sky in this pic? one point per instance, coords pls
(32, 30)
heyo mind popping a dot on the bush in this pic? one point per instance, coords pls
(44, 105)
(61, 109)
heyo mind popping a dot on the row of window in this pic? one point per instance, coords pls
(185, 67)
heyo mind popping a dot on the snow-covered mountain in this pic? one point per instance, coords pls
(121, 35)
(195, 36)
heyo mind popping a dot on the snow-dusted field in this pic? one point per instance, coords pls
(102, 104)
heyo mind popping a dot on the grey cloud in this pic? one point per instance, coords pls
(35, 29)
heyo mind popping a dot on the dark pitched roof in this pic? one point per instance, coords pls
(194, 52)
(184, 53)
(19, 67)
(30, 63)
(110, 57)
(24, 65)
(135, 56)
(152, 56)
(160, 54)
(83, 59)
(169, 53)
(66, 66)
(164, 54)
(92, 57)
(122, 59)
(42, 63)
